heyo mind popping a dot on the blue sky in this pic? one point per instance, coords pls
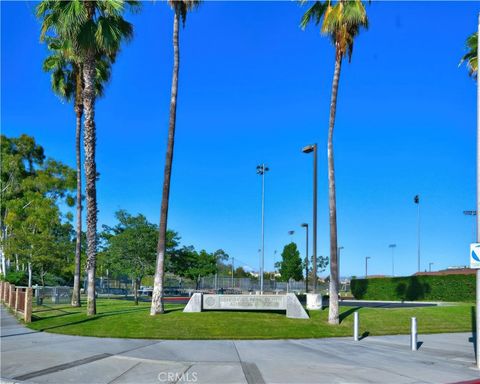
(255, 88)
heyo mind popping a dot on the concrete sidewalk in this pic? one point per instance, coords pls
(40, 357)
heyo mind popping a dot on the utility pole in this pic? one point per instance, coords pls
(261, 170)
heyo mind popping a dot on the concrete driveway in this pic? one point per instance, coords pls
(40, 357)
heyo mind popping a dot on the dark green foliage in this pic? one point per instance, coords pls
(411, 288)
(291, 265)
(18, 278)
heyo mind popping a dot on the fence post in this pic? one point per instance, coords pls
(6, 293)
(10, 296)
(17, 296)
(27, 312)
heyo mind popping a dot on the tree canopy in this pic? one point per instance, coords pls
(291, 265)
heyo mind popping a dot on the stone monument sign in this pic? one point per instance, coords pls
(203, 302)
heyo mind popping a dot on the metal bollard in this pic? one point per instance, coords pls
(413, 335)
(356, 324)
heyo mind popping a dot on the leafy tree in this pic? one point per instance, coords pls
(33, 228)
(322, 264)
(131, 246)
(470, 58)
(194, 265)
(93, 28)
(181, 8)
(341, 21)
(291, 265)
(67, 83)
(240, 272)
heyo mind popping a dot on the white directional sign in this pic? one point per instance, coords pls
(475, 255)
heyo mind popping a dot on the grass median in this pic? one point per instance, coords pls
(119, 318)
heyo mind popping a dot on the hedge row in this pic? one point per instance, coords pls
(411, 288)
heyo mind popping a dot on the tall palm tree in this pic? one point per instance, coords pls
(180, 8)
(341, 21)
(67, 83)
(470, 58)
(93, 27)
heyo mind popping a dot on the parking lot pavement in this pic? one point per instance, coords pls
(40, 357)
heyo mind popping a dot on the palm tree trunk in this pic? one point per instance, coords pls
(157, 296)
(90, 166)
(333, 315)
(78, 245)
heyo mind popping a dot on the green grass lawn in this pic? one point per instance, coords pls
(117, 318)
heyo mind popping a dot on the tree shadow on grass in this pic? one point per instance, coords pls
(96, 317)
(46, 308)
(347, 313)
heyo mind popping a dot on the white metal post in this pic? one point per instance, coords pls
(356, 325)
(413, 334)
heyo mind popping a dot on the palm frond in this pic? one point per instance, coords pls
(314, 13)
(471, 58)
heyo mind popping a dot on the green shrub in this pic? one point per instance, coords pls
(17, 278)
(411, 288)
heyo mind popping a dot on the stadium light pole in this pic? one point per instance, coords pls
(261, 170)
(305, 225)
(416, 200)
(392, 247)
(309, 149)
(366, 266)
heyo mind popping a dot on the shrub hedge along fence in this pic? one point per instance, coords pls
(411, 288)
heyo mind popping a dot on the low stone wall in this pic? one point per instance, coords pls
(18, 299)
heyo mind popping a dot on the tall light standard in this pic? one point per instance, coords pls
(261, 170)
(472, 214)
(308, 149)
(416, 200)
(393, 246)
(478, 200)
(366, 266)
(305, 225)
(430, 266)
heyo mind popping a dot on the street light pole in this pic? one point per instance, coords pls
(366, 266)
(261, 170)
(430, 266)
(305, 225)
(393, 246)
(308, 149)
(416, 200)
